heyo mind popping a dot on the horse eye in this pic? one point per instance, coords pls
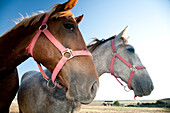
(132, 50)
(69, 26)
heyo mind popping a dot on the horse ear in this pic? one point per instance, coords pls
(70, 4)
(79, 18)
(121, 34)
(66, 6)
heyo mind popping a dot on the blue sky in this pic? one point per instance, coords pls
(149, 31)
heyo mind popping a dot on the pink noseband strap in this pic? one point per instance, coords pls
(59, 46)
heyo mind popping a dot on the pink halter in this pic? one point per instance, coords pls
(59, 46)
(132, 67)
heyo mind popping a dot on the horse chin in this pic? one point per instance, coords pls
(77, 99)
(140, 92)
(76, 95)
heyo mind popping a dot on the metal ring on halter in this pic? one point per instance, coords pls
(133, 68)
(126, 88)
(102, 40)
(46, 26)
(48, 84)
(68, 51)
(114, 53)
(46, 79)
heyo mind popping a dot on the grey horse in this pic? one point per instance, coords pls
(36, 95)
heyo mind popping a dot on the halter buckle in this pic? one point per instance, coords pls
(126, 88)
(133, 68)
(114, 53)
(68, 51)
(50, 85)
(102, 40)
(42, 27)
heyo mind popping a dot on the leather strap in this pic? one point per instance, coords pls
(132, 67)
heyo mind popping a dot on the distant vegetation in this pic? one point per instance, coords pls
(116, 103)
(158, 103)
(111, 103)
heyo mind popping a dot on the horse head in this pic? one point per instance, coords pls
(79, 79)
(120, 60)
(132, 70)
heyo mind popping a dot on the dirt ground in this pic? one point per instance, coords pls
(106, 109)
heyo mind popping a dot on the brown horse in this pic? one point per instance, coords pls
(80, 80)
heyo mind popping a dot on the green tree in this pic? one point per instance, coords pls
(138, 104)
(159, 102)
(116, 103)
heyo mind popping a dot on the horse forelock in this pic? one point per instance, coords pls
(64, 14)
(125, 40)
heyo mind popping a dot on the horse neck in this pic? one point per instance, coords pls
(13, 47)
(101, 58)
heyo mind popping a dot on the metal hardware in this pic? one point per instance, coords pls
(68, 51)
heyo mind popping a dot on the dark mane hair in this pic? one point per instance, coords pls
(96, 42)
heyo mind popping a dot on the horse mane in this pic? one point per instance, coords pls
(30, 21)
(96, 42)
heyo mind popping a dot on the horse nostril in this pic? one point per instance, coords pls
(94, 89)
